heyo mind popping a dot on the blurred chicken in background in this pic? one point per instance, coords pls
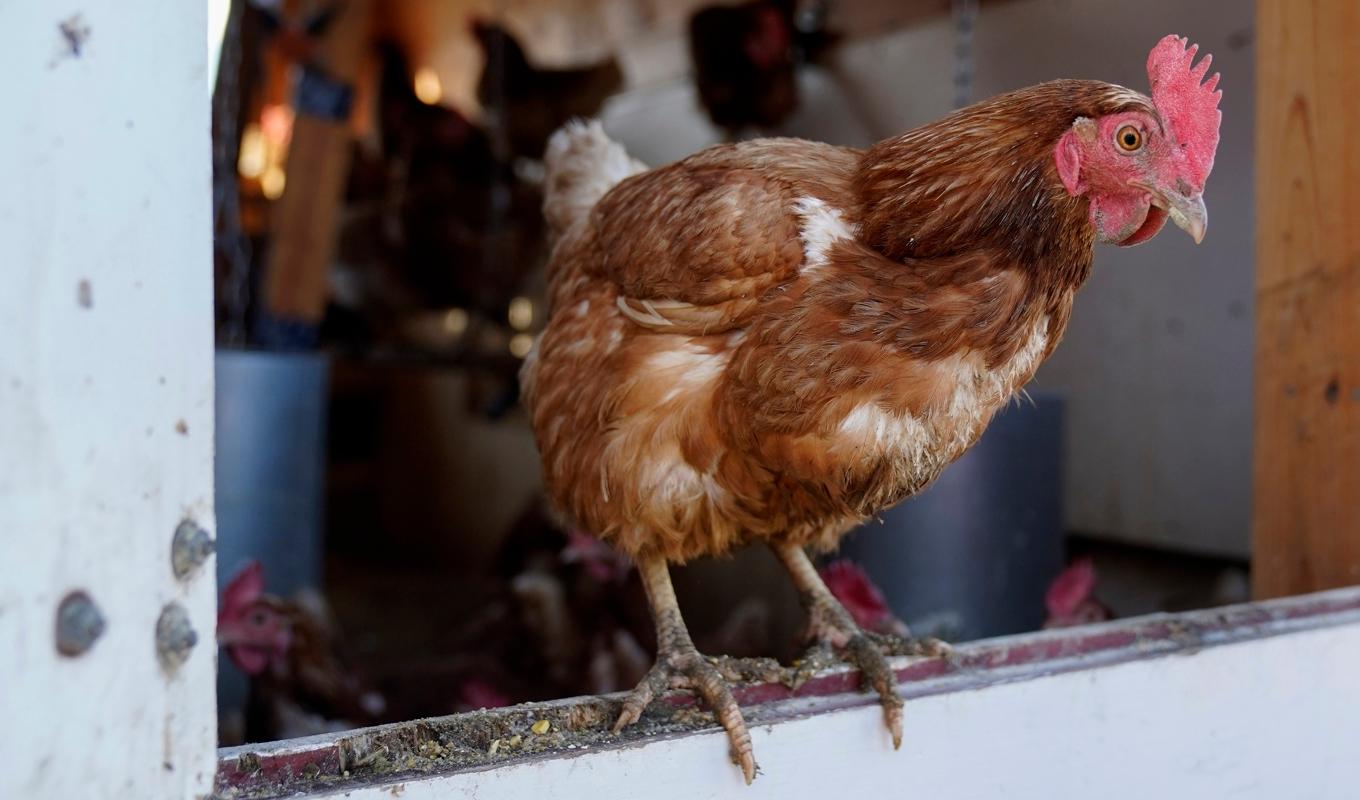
(434, 220)
(443, 224)
(531, 102)
(576, 599)
(1071, 597)
(852, 586)
(302, 682)
(744, 64)
(746, 59)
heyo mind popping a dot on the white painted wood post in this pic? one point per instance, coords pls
(106, 398)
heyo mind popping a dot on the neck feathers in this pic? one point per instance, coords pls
(983, 179)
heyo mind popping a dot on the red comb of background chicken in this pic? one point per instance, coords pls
(476, 693)
(1187, 103)
(857, 593)
(1071, 588)
(243, 589)
(601, 562)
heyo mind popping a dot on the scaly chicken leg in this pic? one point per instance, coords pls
(830, 624)
(680, 666)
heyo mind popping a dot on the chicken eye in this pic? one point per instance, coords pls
(1129, 138)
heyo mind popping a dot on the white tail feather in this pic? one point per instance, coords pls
(582, 163)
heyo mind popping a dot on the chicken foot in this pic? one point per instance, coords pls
(830, 626)
(680, 666)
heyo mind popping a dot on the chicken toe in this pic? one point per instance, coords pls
(830, 627)
(680, 666)
(688, 669)
(864, 653)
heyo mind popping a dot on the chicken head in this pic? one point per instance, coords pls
(1138, 169)
(251, 627)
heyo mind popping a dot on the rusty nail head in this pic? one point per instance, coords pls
(190, 547)
(175, 637)
(79, 624)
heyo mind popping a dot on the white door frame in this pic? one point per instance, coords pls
(106, 398)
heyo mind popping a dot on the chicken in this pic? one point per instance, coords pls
(770, 341)
(301, 681)
(422, 232)
(1070, 599)
(744, 66)
(533, 102)
(576, 607)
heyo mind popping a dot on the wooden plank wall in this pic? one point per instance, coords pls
(1307, 459)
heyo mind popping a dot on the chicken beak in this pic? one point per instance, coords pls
(1188, 213)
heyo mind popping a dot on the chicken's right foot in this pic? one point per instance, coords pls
(688, 669)
(680, 666)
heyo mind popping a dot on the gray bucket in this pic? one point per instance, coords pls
(270, 473)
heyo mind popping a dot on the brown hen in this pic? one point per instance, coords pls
(775, 339)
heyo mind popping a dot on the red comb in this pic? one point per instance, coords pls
(1187, 103)
(244, 589)
(852, 586)
(1072, 586)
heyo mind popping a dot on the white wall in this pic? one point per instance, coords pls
(1156, 365)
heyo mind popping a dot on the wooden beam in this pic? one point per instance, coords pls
(1307, 461)
(306, 219)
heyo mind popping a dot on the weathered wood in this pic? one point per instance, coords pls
(1307, 461)
(306, 219)
(106, 399)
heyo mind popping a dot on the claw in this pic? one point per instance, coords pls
(747, 762)
(936, 648)
(641, 697)
(831, 626)
(631, 713)
(864, 653)
(719, 698)
(691, 671)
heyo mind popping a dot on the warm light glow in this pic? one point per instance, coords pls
(264, 148)
(251, 160)
(521, 313)
(428, 87)
(272, 182)
(520, 344)
(276, 122)
(455, 322)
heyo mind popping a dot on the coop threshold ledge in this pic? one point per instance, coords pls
(497, 752)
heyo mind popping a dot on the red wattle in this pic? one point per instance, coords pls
(1153, 223)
